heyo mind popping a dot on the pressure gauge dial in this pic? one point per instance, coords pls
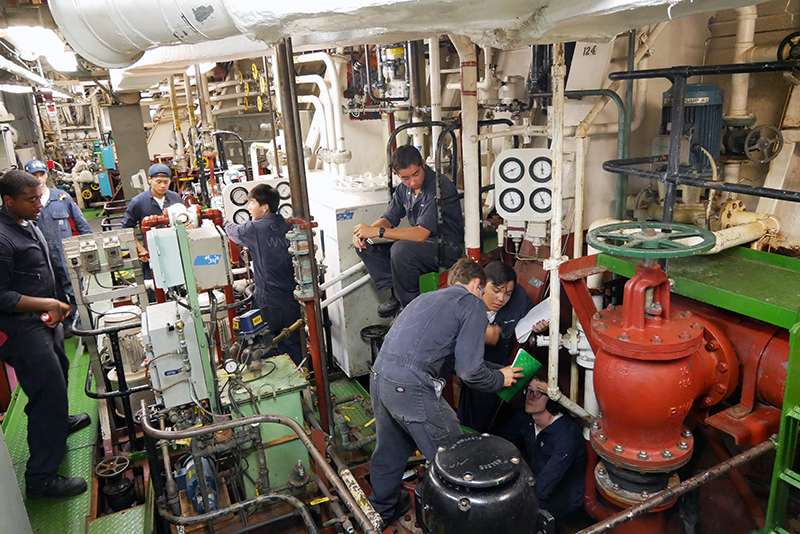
(241, 216)
(239, 196)
(541, 169)
(284, 191)
(512, 170)
(542, 200)
(230, 366)
(285, 210)
(512, 200)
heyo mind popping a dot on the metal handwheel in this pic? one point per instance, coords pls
(651, 239)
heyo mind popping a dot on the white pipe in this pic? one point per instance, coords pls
(577, 249)
(471, 158)
(436, 90)
(326, 125)
(739, 235)
(327, 105)
(745, 31)
(254, 158)
(349, 289)
(336, 97)
(488, 77)
(341, 276)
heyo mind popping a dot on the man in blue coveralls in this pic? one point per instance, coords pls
(30, 315)
(398, 266)
(151, 202)
(57, 209)
(436, 334)
(506, 303)
(265, 236)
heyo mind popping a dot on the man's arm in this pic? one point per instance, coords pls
(469, 364)
(53, 307)
(362, 232)
(559, 463)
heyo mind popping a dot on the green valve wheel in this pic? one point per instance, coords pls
(651, 239)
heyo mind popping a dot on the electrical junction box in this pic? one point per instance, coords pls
(90, 259)
(170, 381)
(276, 391)
(210, 258)
(234, 199)
(113, 253)
(250, 323)
(523, 180)
(165, 258)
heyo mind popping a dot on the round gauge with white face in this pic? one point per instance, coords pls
(541, 169)
(239, 196)
(285, 210)
(512, 170)
(542, 200)
(511, 200)
(241, 216)
(284, 191)
(231, 366)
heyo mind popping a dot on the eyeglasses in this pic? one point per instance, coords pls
(535, 392)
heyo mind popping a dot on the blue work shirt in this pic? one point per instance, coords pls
(436, 334)
(144, 205)
(557, 458)
(54, 223)
(24, 270)
(421, 211)
(272, 262)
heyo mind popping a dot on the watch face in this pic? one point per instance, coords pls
(241, 216)
(239, 196)
(512, 170)
(542, 200)
(284, 191)
(511, 200)
(285, 210)
(541, 169)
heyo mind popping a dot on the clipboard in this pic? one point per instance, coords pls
(529, 367)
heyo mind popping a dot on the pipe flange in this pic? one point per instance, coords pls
(726, 377)
(615, 493)
(644, 459)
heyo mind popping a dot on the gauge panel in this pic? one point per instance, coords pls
(522, 179)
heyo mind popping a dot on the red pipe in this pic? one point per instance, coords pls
(590, 502)
(316, 360)
(212, 215)
(148, 223)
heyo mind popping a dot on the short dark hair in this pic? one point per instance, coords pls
(552, 406)
(465, 271)
(266, 195)
(500, 273)
(14, 182)
(405, 156)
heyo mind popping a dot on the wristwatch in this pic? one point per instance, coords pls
(381, 231)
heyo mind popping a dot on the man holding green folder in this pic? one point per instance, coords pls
(435, 335)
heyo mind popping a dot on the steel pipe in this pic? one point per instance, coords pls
(706, 70)
(341, 276)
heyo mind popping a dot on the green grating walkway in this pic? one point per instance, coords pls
(62, 516)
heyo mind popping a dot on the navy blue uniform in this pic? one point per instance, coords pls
(399, 265)
(274, 275)
(34, 350)
(557, 457)
(476, 408)
(437, 334)
(54, 224)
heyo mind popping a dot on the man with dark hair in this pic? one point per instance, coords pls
(30, 317)
(436, 334)
(265, 236)
(398, 266)
(555, 447)
(506, 303)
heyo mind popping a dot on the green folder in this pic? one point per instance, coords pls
(529, 367)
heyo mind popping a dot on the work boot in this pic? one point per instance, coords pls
(400, 509)
(389, 308)
(77, 422)
(58, 488)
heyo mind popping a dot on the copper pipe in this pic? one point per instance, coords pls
(317, 363)
(286, 332)
(666, 496)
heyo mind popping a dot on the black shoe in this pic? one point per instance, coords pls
(400, 509)
(389, 308)
(77, 422)
(57, 488)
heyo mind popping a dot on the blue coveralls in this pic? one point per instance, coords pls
(399, 265)
(557, 457)
(34, 350)
(54, 224)
(436, 334)
(141, 206)
(476, 409)
(274, 275)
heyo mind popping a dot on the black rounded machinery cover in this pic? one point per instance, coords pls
(479, 483)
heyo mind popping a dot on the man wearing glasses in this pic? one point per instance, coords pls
(555, 447)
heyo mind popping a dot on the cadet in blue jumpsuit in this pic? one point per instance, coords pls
(265, 236)
(506, 303)
(151, 202)
(57, 209)
(35, 344)
(399, 265)
(556, 449)
(437, 334)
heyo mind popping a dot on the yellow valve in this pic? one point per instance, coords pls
(259, 103)
(95, 187)
(318, 501)
(87, 194)
(239, 76)
(347, 418)
(246, 88)
(255, 71)
(246, 104)
(369, 422)
(262, 84)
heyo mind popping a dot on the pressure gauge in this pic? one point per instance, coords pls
(241, 216)
(512, 200)
(541, 169)
(284, 191)
(542, 200)
(230, 366)
(239, 196)
(285, 210)
(512, 170)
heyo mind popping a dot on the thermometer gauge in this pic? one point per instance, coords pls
(239, 196)
(283, 190)
(241, 216)
(512, 200)
(285, 210)
(541, 169)
(512, 170)
(542, 200)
